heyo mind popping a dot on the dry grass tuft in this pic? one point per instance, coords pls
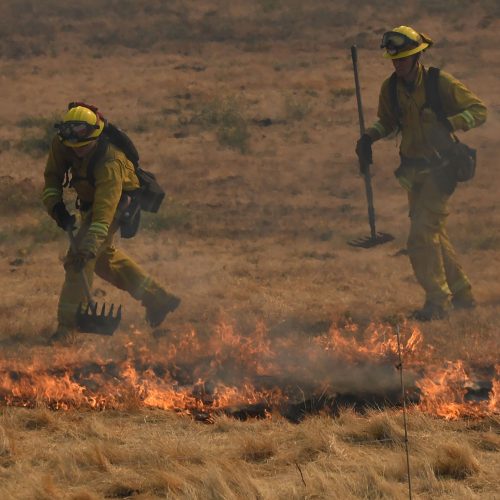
(489, 441)
(228, 480)
(165, 482)
(95, 456)
(123, 489)
(5, 445)
(254, 448)
(46, 489)
(455, 460)
(373, 485)
(180, 449)
(83, 495)
(33, 421)
(315, 436)
(380, 427)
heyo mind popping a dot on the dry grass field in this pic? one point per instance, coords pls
(246, 113)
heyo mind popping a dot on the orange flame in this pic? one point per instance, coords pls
(189, 373)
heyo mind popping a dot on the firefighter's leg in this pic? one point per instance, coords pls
(72, 293)
(428, 212)
(458, 282)
(117, 268)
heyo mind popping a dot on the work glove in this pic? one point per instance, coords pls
(62, 217)
(364, 152)
(77, 261)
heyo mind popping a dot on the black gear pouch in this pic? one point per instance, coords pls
(463, 159)
(151, 194)
(129, 214)
(129, 225)
(445, 177)
(459, 165)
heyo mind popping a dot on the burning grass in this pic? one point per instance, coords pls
(254, 375)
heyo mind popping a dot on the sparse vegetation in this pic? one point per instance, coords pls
(172, 215)
(296, 107)
(42, 230)
(227, 118)
(343, 93)
(482, 235)
(145, 27)
(18, 196)
(444, 6)
(38, 133)
(269, 5)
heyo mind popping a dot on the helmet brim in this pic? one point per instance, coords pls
(92, 138)
(407, 53)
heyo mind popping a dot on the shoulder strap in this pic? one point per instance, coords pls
(432, 95)
(393, 97)
(99, 152)
(122, 141)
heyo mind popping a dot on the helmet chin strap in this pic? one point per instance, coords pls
(415, 63)
(416, 60)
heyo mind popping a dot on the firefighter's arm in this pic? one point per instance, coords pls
(54, 173)
(464, 110)
(108, 190)
(387, 120)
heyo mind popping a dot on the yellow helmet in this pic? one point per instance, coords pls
(404, 41)
(80, 126)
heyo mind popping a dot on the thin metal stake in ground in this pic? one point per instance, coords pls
(403, 396)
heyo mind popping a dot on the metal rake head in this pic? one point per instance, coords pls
(371, 241)
(89, 320)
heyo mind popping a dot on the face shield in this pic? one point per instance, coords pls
(395, 43)
(75, 133)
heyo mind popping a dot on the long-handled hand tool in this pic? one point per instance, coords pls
(374, 238)
(88, 319)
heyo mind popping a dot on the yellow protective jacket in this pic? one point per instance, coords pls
(463, 110)
(113, 173)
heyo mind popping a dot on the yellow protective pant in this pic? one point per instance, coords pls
(431, 253)
(112, 265)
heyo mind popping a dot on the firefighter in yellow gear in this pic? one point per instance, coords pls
(425, 140)
(77, 140)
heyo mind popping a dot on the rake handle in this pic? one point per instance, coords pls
(85, 283)
(364, 168)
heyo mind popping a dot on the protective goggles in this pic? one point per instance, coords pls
(394, 43)
(75, 131)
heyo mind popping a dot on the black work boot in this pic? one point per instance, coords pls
(431, 311)
(464, 299)
(158, 306)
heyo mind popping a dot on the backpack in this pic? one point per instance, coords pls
(460, 156)
(150, 194)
